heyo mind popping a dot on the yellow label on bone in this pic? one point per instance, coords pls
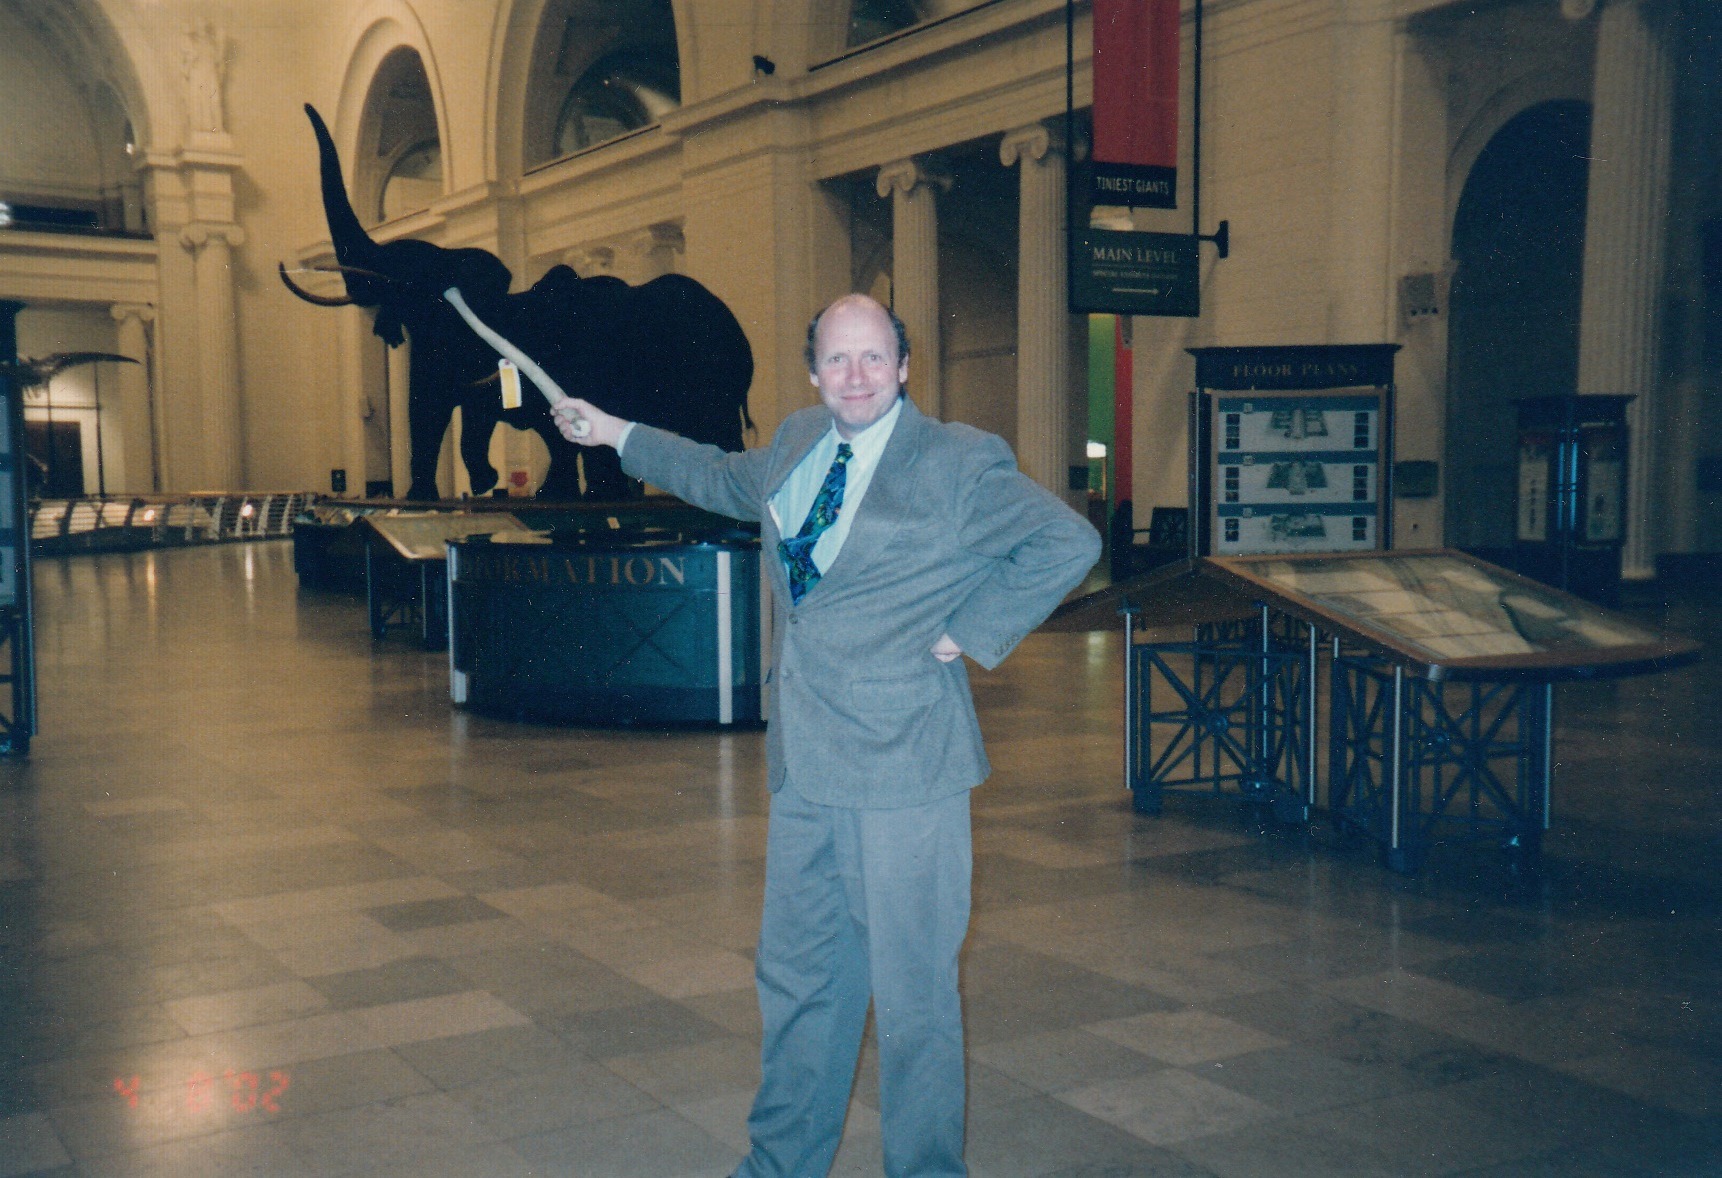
(510, 376)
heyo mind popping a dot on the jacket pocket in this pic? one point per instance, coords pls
(896, 692)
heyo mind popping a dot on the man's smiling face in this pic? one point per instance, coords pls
(856, 367)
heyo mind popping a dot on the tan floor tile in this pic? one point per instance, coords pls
(684, 975)
(1168, 1106)
(683, 1075)
(1182, 1037)
(245, 1008)
(342, 898)
(1411, 996)
(436, 1018)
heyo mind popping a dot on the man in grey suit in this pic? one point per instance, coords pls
(902, 544)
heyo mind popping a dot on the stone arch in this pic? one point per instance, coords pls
(551, 65)
(510, 79)
(99, 70)
(1505, 105)
(389, 28)
(1518, 246)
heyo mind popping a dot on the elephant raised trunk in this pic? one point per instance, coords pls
(353, 246)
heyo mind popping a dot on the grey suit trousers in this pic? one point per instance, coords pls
(860, 901)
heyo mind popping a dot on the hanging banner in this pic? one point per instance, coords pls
(1135, 160)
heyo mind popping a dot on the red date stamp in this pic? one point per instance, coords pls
(243, 1092)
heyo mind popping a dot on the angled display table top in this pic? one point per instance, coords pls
(423, 535)
(1446, 615)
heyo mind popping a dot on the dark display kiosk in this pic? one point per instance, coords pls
(1570, 512)
(17, 614)
(642, 627)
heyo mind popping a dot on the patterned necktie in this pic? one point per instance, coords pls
(797, 551)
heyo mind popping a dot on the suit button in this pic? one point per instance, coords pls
(795, 621)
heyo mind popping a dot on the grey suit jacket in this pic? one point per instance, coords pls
(950, 538)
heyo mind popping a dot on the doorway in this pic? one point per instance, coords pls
(1518, 250)
(56, 457)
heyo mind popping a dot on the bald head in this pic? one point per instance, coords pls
(858, 359)
(811, 350)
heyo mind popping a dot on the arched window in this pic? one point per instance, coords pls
(601, 69)
(413, 182)
(871, 19)
(399, 171)
(622, 92)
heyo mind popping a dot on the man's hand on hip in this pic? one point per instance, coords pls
(606, 428)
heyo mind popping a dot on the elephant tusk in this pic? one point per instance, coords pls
(317, 300)
(551, 390)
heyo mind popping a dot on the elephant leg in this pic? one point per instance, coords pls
(605, 480)
(427, 429)
(477, 424)
(562, 480)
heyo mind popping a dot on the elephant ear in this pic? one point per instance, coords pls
(480, 275)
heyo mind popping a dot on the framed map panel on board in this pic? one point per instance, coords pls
(1292, 450)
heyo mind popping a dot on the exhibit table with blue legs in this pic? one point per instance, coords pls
(1440, 672)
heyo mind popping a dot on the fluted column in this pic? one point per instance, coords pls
(400, 418)
(1042, 317)
(911, 185)
(355, 335)
(211, 247)
(137, 416)
(1360, 217)
(1625, 246)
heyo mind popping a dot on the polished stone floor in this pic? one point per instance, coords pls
(268, 906)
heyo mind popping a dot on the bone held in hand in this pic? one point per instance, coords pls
(551, 390)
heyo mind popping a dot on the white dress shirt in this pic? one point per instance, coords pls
(789, 507)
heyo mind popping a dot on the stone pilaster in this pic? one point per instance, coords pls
(137, 414)
(400, 418)
(1042, 319)
(1365, 51)
(911, 185)
(211, 247)
(1625, 247)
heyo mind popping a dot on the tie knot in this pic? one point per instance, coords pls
(844, 452)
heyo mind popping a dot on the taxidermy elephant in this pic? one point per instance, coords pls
(667, 353)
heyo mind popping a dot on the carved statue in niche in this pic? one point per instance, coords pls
(203, 64)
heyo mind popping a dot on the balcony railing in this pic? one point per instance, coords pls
(116, 523)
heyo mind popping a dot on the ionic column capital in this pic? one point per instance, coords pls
(590, 260)
(656, 247)
(1032, 142)
(906, 175)
(132, 312)
(200, 233)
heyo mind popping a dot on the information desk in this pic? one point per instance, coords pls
(406, 583)
(644, 627)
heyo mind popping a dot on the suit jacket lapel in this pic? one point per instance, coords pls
(795, 446)
(889, 498)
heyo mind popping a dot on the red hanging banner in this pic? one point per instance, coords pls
(1135, 160)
